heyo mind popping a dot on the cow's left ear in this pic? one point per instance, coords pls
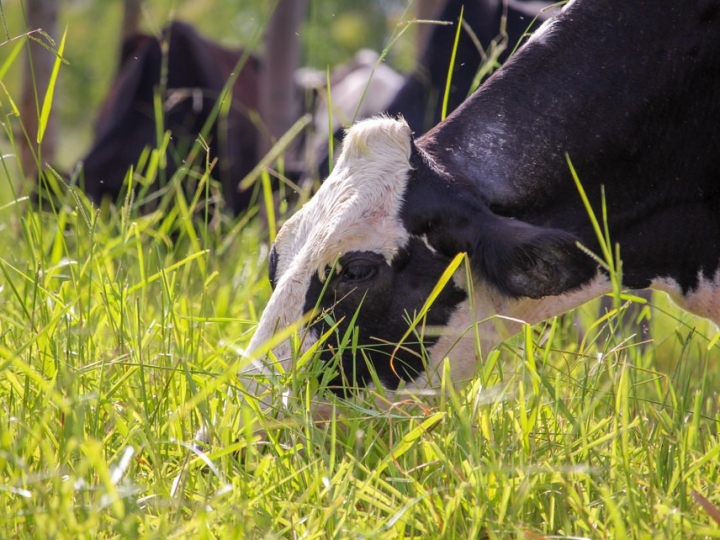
(520, 259)
(517, 258)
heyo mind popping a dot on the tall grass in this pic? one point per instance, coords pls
(119, 342)
(121, 335)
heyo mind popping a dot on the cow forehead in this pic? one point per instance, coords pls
(357, 208)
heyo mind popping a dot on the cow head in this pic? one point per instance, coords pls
(367, 251)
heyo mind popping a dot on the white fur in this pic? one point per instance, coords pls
(547, 28)
(704, 300)
(497, 317)
(542, 33)
(493, 319)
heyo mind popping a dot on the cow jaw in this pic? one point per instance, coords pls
(480, 324)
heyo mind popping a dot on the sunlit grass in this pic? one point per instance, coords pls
(121, 337)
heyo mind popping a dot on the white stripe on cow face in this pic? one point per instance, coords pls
(356, 209)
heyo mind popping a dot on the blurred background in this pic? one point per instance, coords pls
(329, 35)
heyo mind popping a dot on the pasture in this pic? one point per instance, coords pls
(121, 335)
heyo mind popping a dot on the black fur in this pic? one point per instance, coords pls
(386, 303)
(630, 91)
(517, 258)
(272, 265)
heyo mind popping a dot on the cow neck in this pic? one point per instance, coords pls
(577, 91)
(626, 96)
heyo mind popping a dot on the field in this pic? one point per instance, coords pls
(121, 336)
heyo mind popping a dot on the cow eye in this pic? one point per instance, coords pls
(357, 272)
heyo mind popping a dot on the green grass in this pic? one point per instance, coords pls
(117, 343)
(119, 338)
(121, 335)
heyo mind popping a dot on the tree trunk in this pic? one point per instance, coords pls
(131, 18)
(425, 10)
(279, 101)
(41, 14)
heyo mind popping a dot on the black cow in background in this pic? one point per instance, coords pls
(420, 98)
(197, 71)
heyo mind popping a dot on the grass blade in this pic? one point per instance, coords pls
(451, 67)
(48, 100)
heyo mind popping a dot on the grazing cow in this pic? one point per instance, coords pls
(634, 106)
(197, 71)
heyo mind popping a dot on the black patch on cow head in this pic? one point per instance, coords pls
(385, 298)
(517, 258)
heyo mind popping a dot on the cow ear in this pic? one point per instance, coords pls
(520, 259)
(517, 258)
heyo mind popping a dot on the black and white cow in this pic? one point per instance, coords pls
(635, 103)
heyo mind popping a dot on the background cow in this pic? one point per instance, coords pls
(197, 71)
(629, 91)
(364, 87)
(499, 28)
(492, 29)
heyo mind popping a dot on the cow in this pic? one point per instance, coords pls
(364, 87)
(492, 30)
(499, 26)
(197, 70)
(633, 108)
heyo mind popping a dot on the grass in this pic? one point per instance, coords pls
(119, 338)
(121, 335)
(117, 343)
